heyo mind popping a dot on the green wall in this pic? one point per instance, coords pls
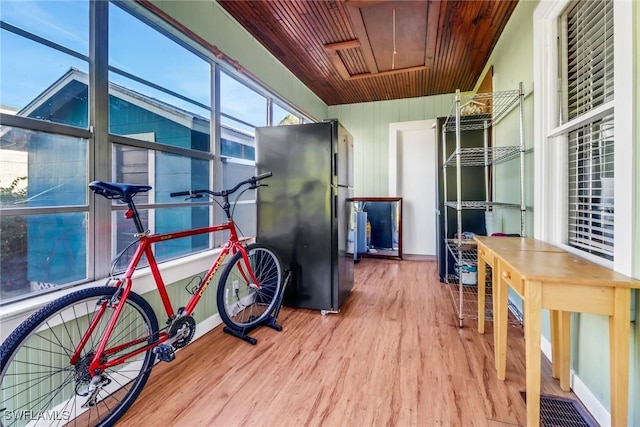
(512, 62)
(208, 20)
(369, 124)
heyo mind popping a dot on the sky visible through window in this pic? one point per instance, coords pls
(28, 68)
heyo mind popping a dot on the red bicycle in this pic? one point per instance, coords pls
(85, 357)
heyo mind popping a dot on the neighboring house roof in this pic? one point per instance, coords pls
(8, 110)
(164, 109)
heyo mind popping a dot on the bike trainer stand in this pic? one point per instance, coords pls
(269, 321)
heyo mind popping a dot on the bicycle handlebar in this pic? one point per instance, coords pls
(253, 180)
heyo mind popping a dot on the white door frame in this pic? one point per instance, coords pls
(394, 130)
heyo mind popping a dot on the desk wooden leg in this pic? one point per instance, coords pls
(482, 280)
(555, 353)
(564, 347)
(619, 356)
(495, 292)
(500, 314)
(532, 331)
(561, 347)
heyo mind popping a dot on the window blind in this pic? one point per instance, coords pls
(591, 188)
(589, 56)
(589, 82)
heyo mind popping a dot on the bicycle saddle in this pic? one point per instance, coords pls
(117, 190)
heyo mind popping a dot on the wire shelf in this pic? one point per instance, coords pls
(476, 112)
(464, 251)
(481, 110)
(476, 156)
(469, 309)
(477, 204)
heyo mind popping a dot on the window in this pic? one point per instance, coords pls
(282, 116)
(165, 172)
(155, 80)
(588, 61)
(28, 97)
(42, 43)
(43, 196)
(591, 191)
(583, 130)
(237, 144)
(159, 92)
(242, 108)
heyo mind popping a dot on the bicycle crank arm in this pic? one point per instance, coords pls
(183, 332)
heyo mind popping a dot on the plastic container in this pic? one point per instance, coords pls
(469, 275)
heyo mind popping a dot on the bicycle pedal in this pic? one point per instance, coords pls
(165, 352)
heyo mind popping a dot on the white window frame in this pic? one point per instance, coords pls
(550, 155)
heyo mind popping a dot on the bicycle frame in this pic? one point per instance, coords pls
(232, 246)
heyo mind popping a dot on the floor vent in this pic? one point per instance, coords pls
(562, 412)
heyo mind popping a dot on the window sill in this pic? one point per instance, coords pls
(11, 315)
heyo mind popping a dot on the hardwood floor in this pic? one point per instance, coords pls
(393, 356)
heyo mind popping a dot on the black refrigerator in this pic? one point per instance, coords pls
(305, 213)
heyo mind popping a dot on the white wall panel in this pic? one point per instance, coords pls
(369, 124)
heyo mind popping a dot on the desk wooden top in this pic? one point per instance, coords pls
(562, 267)
(516, 244)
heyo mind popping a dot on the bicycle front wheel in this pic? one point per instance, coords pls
(242, 303)
(40, 385)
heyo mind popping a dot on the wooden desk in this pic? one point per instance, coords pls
(563, 283)
(486, 245)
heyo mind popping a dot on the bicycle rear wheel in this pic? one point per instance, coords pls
(243, 304)
(38, 380)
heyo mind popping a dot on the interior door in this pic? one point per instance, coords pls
(413, 176)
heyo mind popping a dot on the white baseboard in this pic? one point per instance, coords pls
(582, 392)
(207, 325)
(545, 345)
(591, 402)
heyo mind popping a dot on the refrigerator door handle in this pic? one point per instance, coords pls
(335, 164)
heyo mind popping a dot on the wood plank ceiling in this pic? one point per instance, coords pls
(350, 51)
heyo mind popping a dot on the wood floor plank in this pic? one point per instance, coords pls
(393, 356)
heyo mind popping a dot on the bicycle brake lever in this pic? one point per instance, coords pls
(195, 196)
